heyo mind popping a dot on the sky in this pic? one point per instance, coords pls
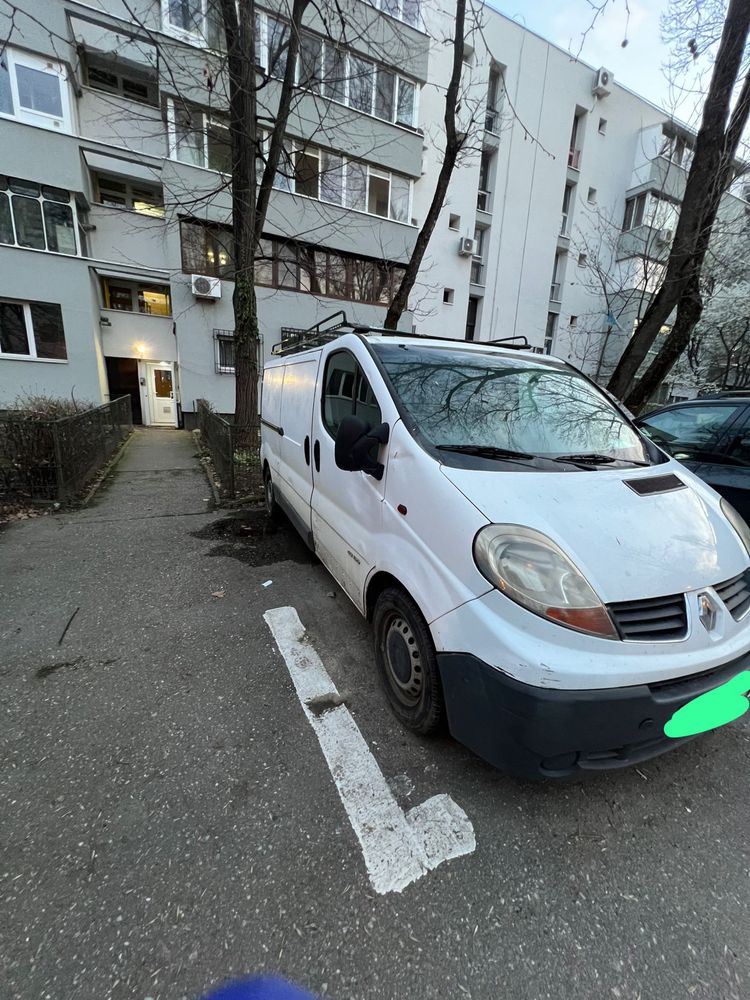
(638, 66)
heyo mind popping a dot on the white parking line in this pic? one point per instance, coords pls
(398, 847)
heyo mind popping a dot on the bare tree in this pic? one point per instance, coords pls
(712, 170)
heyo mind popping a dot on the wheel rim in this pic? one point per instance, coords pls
(403, 660)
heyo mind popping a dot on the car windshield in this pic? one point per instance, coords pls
(480, 402)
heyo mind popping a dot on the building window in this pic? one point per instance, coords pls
(195, 21)
(483, 195)
(224, 352)
(651, 209)
(37, 216)
(602, 126)
(133, 296)
(573, 322)
(454, 222)
(549, 333)
(583, 259)
(199, 137)
(635, 210)
(405, 10)
(146, 199)
(206, 249)
(471, 317)
(32, 330)
(325, 176)
(102, 74)
(34, 90)
(448, 294)
(337, 74)
(591, 197)
(300, 267)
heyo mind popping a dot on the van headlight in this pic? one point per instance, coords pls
(737, 522)
(533, 571)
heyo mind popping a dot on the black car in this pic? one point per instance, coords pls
(711, 436)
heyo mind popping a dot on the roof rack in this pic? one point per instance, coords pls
(333, 326)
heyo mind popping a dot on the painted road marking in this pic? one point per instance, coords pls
(398, 847)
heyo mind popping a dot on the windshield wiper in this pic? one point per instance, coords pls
(484, 450)
(593, 459)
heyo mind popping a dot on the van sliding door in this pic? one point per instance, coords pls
(295, 470)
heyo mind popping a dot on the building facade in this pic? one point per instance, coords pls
(115, 251)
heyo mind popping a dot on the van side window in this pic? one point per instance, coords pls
(347, 392)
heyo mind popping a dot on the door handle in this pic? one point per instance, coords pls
(316, 455)
(307, 451)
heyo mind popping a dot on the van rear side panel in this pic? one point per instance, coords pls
(295, 474)
(273, 380)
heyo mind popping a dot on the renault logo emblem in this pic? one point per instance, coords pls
(706, 612)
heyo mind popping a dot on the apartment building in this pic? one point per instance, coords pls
(115, 251)
(557, 225)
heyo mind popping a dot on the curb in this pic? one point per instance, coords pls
(104, 472)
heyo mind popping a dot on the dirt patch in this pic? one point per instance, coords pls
(253, 538)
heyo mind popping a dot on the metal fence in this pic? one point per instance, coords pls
(236, 463)
(47, 460)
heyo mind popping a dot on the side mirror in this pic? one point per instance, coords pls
(356, 446)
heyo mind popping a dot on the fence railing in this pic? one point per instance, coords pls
(48, 460)
(235, 460)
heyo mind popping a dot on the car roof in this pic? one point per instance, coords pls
(726, 400)
(471, 346)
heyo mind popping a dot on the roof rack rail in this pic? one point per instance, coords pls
(314, 336)
(333, 326)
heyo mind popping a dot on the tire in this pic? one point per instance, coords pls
(405, 655)
(269, 498)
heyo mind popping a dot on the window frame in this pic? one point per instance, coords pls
(359, 377)
(117, 90)
(29, 116)
(222, 337)
(41, 199)
(33, 354)
(201, 40)
(135, 288)
(129, 194)
(210, 116)
(714, 445)
(215, 269)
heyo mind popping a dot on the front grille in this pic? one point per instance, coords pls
(656, 619)
(735, 594)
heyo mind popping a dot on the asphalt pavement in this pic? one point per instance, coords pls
(168, 820)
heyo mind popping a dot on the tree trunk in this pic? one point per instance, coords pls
(709, 176)
(240, 36)
(453, 145)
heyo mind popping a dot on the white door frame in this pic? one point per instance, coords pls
(145, 374)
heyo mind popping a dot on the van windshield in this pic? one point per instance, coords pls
(485, 403)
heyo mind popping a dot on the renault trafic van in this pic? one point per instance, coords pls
(538, 574)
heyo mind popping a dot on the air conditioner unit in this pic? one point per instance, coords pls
(603, 82)
(466, 246)
(206, 288)
(665, 236)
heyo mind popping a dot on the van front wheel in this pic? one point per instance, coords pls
(405, 655)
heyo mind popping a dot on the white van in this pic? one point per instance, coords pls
(538, 574)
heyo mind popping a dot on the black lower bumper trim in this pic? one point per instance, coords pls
(546, 732)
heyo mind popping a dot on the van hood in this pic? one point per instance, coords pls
(629, 547)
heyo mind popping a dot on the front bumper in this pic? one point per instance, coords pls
(548, 733)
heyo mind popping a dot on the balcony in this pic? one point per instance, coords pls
(477, 271)
(483, 201)
(491, 120)
(574, 159)
(127, 237)
(555, 292)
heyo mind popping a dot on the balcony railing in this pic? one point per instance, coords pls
(574, 159)
(477, 269)
(554, 291)
(483, 201)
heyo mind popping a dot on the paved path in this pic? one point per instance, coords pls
(167, 818)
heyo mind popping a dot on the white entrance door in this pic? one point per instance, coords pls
(161, 401)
